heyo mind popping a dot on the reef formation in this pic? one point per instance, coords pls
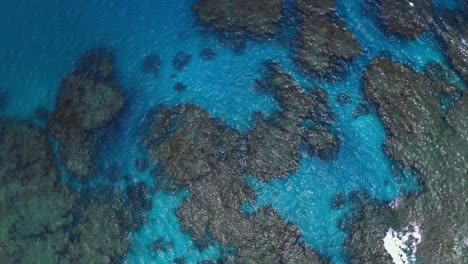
(433, 142)
(326, 44)
(45, 221)
(406, 18)
(211, 159)
(151, 64)
(89, 99)
(259, 17)
(454, 34)
(42, 219)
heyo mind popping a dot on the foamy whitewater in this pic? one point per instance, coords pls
(402, 245)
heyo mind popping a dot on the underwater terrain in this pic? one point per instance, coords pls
(234, 131)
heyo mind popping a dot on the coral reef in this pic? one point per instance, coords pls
(325, 44)
(259, 17)
(99, 63)
(408, 18)
(423, 137)
(88, 99)
(41, 222)
(151, 64)
(211, 159)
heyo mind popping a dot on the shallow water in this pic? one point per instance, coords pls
(40, 41)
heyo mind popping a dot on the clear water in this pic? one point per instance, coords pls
(40, 40)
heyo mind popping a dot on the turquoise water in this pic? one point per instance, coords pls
(40, 40)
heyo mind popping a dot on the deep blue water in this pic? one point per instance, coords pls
(40, 41)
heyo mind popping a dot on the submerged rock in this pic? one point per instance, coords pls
(208, 54)
(455, 38)
(440, 72)
(42, 114)
(180, 87)
(260, 17)
(408, 18)
(100, 235)
(322, 142)
(422, 137)
(35, 207)
(42, 221)
(151, 64)
(87, 100)
(338, 201)
(325, 45)
(343, 99)
(181, 60)
(141, 164)
(363, 109)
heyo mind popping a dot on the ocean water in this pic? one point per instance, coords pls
(40, 40)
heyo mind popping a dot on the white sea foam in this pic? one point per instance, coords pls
(395, 203)
(402, 245)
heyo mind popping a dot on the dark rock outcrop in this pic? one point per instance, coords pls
(407, 18)
(368, 225)
(3, 99)
(181, 60)
(208, 54)
(180, 87)
(273, 145)
(151, 64)
(322, 142)
(88, 99)
(454, 34)
(207, 158)
(325, 45)
(33, 203)
(101, 235)
(260, 17)
(42, 221)
(423, 137)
